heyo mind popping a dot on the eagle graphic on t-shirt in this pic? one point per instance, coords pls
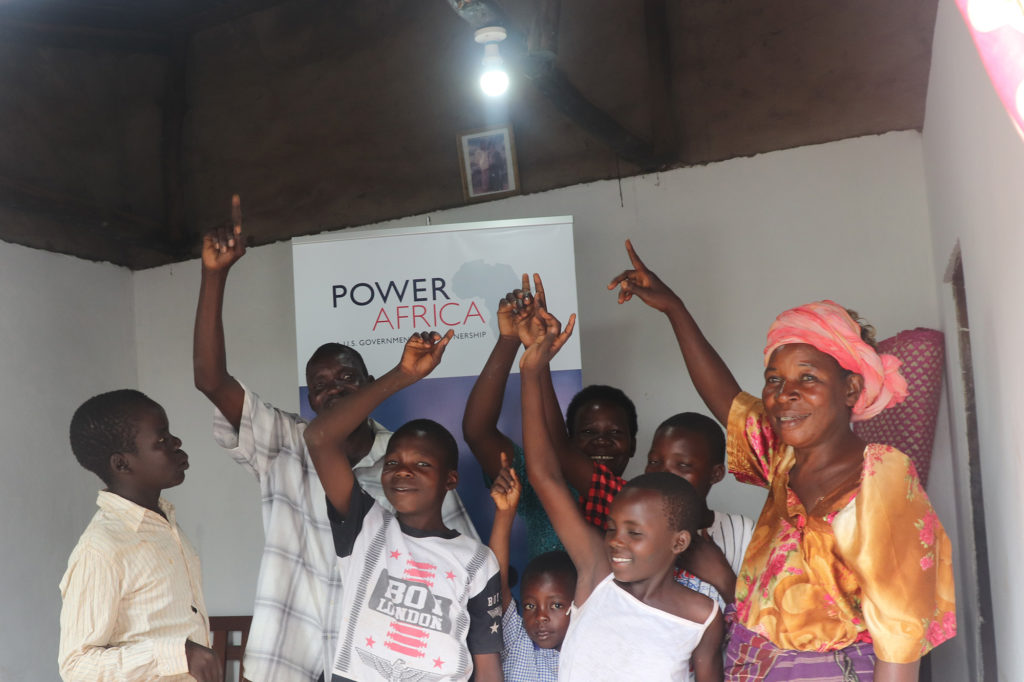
(396, 671)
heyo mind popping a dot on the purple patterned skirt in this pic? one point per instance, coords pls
(751, 657)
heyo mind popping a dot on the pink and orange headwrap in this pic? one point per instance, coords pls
(828, 327)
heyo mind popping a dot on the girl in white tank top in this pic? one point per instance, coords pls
(631, 620)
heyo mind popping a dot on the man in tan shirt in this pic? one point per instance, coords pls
(133, 602)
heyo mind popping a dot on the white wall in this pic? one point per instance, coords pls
(974, 162)
(740, 240)
(66, 333)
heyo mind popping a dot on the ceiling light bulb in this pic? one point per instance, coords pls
(494, 83)
(494, 79)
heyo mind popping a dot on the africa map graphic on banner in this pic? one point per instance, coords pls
(372, 289)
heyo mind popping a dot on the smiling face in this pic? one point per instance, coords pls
(639, 540)
(158, 461)
(546, 601)
(686, 454)
(416, 474)
(601, 432)
(808, 396)
(331, 376)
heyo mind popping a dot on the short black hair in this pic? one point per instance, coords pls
(703, 425)
(105, 425)
(437, 433)
(681, 503)
(556, 564)
(603, 394)
(333, 349)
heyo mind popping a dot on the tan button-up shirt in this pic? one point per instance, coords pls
(132, 596)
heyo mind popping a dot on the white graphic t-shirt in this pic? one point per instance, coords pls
(415, 606)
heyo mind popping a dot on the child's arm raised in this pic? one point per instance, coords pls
(576, 467)
(709, 373)
(483, 407)
(505, 493)
(222, 247)
(326, 435)
(706, 659)
(582, 541)
(530, 326)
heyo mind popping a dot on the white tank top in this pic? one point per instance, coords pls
(614, 637)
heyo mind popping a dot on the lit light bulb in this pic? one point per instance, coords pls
(494, 79)
(494, 82)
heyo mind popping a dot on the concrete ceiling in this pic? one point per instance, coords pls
(127, 125)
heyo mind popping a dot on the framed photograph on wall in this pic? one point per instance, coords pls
(487, 160)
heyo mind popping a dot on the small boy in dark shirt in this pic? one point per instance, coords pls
(532, 640)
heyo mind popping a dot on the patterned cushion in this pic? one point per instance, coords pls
(910, 426)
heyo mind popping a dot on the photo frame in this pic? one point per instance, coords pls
(487, 161)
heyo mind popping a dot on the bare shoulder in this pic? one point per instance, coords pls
(690, 605)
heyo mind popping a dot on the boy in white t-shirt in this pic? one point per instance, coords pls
(421, 601)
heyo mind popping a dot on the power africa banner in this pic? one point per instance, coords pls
(371, 289)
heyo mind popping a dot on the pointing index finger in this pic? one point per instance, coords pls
(538, 287)
(633, 258)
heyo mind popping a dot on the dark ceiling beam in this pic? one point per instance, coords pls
(553, 84)
(664, 131)
(542, 41)
(118, 228)
(214, 14)
(539, 68)
(81, 36)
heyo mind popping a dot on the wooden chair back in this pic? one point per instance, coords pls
(223, 629)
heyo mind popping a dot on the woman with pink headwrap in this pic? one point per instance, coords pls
(848, 575)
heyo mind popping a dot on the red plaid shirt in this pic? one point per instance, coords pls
(597, 502)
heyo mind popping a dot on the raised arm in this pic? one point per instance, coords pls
(326, 436)
(483, 407)
(582, 541)
(529, 328)
(710, 375)
(576, 466)
(505, 492)
(221, 249)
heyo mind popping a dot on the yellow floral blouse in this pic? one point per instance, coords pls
(873, 564)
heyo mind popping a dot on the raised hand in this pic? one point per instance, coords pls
(203, 663)
(550, 340)
(517, 309)
(643, 283)
(224, 245)
(510, 308)
(423, 352)
(506, 488)
(529, 324)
